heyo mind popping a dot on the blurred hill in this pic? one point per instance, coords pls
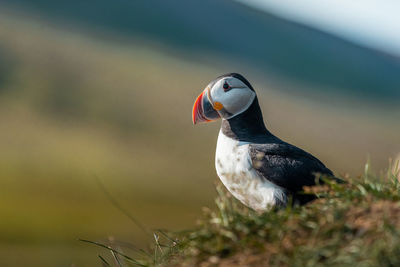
(240, 34)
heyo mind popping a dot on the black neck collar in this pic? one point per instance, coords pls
(248, 126)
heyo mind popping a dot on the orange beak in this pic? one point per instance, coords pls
(203, 110)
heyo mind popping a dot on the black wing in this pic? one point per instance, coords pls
(286, 165)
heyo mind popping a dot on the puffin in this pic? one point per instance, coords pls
(259, 169)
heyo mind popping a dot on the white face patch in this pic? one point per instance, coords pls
(235, 99)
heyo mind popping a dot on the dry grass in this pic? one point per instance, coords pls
(356, 223)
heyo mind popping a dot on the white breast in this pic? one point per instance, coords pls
(234, 168)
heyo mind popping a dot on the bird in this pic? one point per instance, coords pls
(258, 168)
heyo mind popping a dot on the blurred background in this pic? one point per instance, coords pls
(102, 91)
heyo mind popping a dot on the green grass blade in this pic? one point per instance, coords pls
(113, 250)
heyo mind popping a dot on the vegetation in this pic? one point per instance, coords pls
(355, 223)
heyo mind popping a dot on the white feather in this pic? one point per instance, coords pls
(235, 101)
(234, 168)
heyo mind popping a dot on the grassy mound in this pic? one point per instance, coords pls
(353, 223)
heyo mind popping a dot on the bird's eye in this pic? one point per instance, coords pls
(226, 86)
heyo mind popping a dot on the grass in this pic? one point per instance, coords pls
(355, 223)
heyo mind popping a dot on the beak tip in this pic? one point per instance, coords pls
(197, 109)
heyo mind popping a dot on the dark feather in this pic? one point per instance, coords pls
(286, 165)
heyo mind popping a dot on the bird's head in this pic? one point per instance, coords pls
(225, 97)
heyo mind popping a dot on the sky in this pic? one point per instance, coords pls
(371, 23)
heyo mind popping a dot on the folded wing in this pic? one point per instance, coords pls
(286, 165)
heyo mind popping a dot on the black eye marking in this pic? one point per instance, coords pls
(226, 87)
